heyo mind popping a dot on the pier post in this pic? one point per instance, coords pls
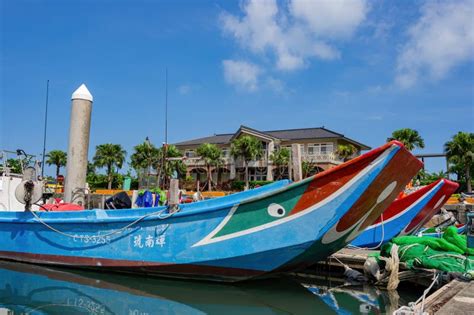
(173, 201)
(296, 162)
(270, 149)
(79, 132)
(232, 168)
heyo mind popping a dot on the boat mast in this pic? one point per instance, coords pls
(45, 128)
(166, 106)
(165, 144)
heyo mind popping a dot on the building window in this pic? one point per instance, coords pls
(320, 148)
(327, 148)
(225, 152)
(189, 153)
(256, 174)
(313, 149)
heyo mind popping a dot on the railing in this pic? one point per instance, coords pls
(316, 158)
(321, 158)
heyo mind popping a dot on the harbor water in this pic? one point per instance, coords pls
(30, 289)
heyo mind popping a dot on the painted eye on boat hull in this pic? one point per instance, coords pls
(276, 210)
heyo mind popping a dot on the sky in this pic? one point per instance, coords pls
(360, 68)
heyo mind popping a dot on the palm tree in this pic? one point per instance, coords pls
(211, 155)
(460, 151)
(169, 161)
(145, 156)
(58, 158)
(280, 159)
(109, 155)
(410, 138)
(346, 151)
(249, 149)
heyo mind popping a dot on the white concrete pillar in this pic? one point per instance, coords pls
(79, 132)
(174, 193)
(270, 149)
(232, 168)
(296, 162)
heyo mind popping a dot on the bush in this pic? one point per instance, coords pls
(100, 181)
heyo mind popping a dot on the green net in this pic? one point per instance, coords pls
(449, 253)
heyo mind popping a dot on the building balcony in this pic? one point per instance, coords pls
(322, 158)
(316, 158)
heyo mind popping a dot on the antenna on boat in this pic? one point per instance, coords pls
(166, 106)
(165, 144)
(45, 128)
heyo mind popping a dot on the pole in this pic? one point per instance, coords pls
(165, 146)
(79, 134)
(166, 106)
(45, 128)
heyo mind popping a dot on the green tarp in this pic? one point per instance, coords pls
(449, 253)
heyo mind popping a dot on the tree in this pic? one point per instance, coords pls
(109, 155)
(409, 137)
(145, 156)
(15, 166)
(171, 164)
(249, 149)
(211, 155)
(346, 151)
(307, 168)
(58, 158)
(280, 159)
(460, 152)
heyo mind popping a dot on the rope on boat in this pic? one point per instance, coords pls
(411, 308)
(120, 230)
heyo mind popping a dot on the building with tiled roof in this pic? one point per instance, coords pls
(318, 147)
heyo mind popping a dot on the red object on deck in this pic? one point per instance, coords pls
(58, 207)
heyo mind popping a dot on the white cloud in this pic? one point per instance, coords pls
(441, 39)
(275, 85)
(330, 18)
(297, 32)
(184, 89)
(242, 74)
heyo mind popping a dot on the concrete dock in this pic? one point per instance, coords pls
(454, 298)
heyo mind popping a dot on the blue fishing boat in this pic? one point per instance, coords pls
(401, 212)
(232, 238)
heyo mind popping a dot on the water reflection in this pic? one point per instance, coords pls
(29, 289)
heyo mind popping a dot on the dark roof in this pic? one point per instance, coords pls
(305, 133)
(262, 134)
(215, 139)
(286, 134)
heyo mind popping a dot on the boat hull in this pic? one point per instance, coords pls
(430, 209)
(399, 214)
(227, 239)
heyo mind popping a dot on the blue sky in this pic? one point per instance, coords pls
(361, 68)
